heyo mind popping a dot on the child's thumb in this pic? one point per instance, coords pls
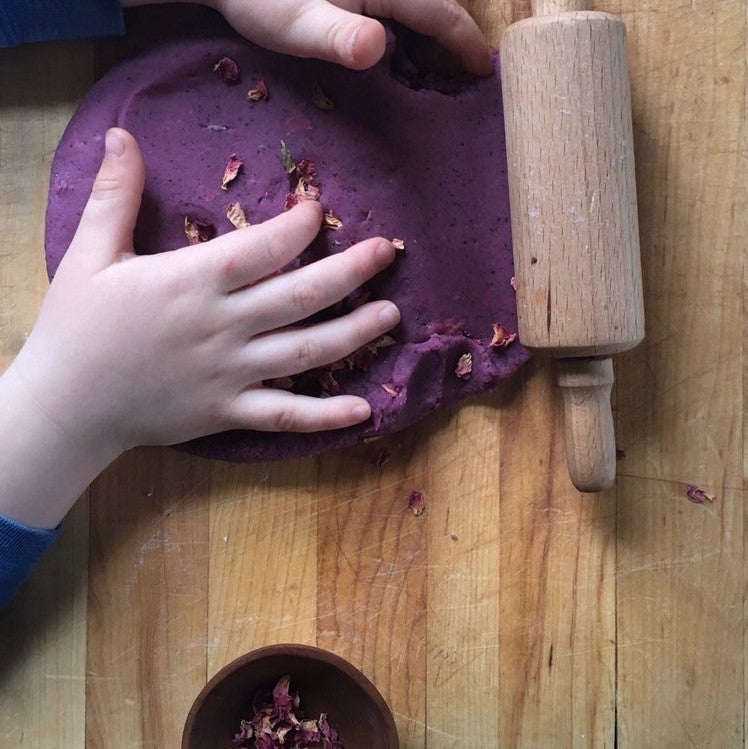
(108, 221)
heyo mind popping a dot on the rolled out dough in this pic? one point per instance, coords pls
(391, 160)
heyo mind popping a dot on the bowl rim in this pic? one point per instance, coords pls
(311, 652)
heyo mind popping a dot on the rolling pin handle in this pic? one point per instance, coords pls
(588, 422)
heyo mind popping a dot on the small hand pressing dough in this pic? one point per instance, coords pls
(386, 154)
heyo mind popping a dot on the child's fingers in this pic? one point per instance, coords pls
(292, 296)
(286, 352)
(445, 20)
(270, 410)
(244, 256)
(108, 221)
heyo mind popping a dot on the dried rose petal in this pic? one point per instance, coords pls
(363, 357)
(384, 341)
(235, 214)
(332, 221)
(322, 381)
(698, 496)
(321, 100)
(416, 503)
(281, 697)
(306, 170)
(245, 732)
(232, 170)
(306, 186)
(326, 730)
(309, 732)
(501, 336)
(286, 158)
(261, 723)
(197, 231)
(390, 390)
(304, 191)
(276, 725)
(398, 243)
(259, 92)
(328, 383)
(227, 69)
(464, 368)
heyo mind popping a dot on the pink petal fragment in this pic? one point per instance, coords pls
(231, 171)
(501, 336)
(464, 367)
(416, 503)
(259, 92)
(227, 69)
(235, 214)
(197, 231)
(332, 221)
(698, 496)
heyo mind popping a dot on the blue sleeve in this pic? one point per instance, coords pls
(24, 21)
(20, 549)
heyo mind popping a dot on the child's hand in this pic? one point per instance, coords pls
(338, 31)
(159, 349)
(342, 31)
(163, 348)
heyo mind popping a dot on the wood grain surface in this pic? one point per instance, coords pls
(514, 612)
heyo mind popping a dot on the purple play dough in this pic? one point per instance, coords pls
(421, 165)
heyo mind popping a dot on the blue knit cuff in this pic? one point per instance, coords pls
(21, 547)
(23, 21)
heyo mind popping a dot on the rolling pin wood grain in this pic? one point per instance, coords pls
(574, 217)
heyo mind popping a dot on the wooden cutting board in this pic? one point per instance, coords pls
(514, 612)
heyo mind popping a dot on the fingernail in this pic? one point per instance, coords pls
(113, 144)
(389, 314)
(360, 413)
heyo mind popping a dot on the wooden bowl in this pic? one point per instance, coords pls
(325, 682)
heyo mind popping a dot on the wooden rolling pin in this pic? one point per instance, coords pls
(570, 151)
